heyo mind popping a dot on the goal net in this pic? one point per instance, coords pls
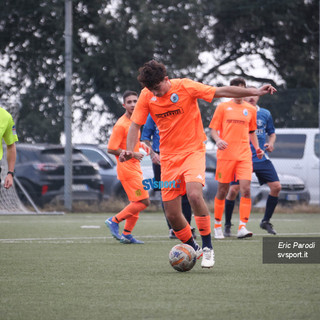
(9, 200)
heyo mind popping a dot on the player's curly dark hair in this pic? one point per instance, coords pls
(151, 74)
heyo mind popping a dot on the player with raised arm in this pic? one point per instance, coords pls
(173, 106)
(129, 173)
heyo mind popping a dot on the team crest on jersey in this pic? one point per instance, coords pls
(154, 98)
(174, 98)
(259, 123)
(245, 112)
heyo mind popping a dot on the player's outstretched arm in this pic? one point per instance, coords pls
(239, 92)
(267, 88)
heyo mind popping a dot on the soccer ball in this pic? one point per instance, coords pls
(182, 257)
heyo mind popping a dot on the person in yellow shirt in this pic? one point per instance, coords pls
(9, 135)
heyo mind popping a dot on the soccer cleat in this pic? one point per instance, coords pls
(127, 239)
(266, 225)
(193, 230)
(218, 234)
(207, 258)
(172, 234)
(227, 231)
(198, 250)
(114, 228)
(244, 233)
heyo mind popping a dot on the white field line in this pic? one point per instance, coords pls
(152, 238)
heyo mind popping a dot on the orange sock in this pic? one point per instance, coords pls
(130, 210)
(184, 234)
(218, 212)
(130, 223)
(203, 224)
(244, 211)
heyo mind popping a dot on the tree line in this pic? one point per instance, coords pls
(112, 39)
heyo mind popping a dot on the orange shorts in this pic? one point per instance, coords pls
(177, 170)
(134, 189)
(231, 170)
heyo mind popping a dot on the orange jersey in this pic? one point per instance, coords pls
(118, 139)
(234, 121)
(176, 115)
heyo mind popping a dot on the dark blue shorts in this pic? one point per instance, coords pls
(264, 171)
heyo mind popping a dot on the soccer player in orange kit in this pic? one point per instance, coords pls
(232, 127)
(173, 106)
(129, 173)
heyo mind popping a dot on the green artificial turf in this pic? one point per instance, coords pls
(66, 267)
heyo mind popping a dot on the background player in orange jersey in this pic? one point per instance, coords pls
(263, 168)
(129, 173)
(172, 104)
(232, 127)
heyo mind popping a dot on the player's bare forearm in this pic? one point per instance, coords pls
(115, 152)
(147, 142)
(11, 159)
(255, 143)
(239, 92)
(132, 137)
(132, 140)
(11, 156)
(153, 155)
(270, 144)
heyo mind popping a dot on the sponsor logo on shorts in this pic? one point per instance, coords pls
(153, 184)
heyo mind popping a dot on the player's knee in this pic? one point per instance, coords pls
(195, 198)
(222, 191)
(246, 193)
(146, 202)
(275, 189)
(232, 194)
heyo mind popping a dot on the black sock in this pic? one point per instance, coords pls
(228, 208)
(270, 206)
(206, 241)
(192, 243)
(186, 208)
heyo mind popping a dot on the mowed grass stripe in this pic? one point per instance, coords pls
(103, 279)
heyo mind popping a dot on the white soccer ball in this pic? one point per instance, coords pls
(182, 257)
